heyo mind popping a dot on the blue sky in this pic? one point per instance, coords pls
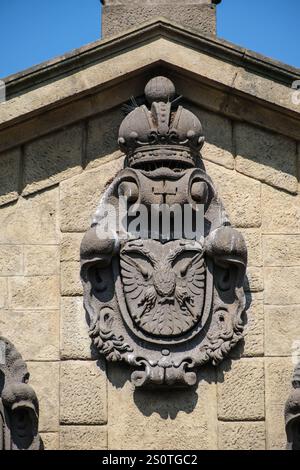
(33, 31)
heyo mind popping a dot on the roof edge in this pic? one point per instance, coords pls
(53, 69)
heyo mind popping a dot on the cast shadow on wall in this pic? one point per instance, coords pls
(168, 402)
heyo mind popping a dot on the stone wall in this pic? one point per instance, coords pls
(49, 189)
(123, 15)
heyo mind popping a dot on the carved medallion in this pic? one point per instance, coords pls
(163, 290)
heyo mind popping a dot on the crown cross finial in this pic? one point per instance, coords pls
(166, 134)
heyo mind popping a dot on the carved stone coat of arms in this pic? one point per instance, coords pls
(164, 289)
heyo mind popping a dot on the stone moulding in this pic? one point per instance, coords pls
(164, 305)
(292, 413)
(19, 408)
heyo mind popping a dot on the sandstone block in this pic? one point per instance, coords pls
(9, 175)
(70, 246)
(254, 280)
(3, 292)
(50, 440)
(282, 329)
(83, 437)
(41, 260)
(70, 278)
(118, 18)
(81, 194)
(240, 195)
(11, 260)
(34, 292)
(254, 330)
(265, 156)
(150, 420)
(83, 392)
(241, 390)
(31, 221)
(75, 340)
(218, 137)
(280, 212)
(281, 250)
(34, 333)
(282, 285)
(44, 378)
(102, 136)
(242, 436)
(52, 158)
(278, 387)
(253, 241)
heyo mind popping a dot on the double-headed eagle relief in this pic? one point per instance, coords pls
(162, 268)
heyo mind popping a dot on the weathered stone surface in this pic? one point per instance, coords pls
(265, 156)
(278, 372)
(79, 198)
(34, 292)
(41, 260)
(50, 440)
(83, 437)
(102, 136)
(282, 329)
(3, 292)
(75, 340)
(70, 278)
(70, 246)
(52, 158)
(281, 250)
(121, 18)
(32, 220)
(254, 280)
(280, 212)
(150, 420)
(44, 378)
(254, 330)
(282, 285)
(35, 333)
(242, 436)
(237, 192)
(158, 302)
(254, 246)
(83, 392)
(241, 390)
(18, 401)
(11, 260)
(218, 137)
(9, 175)
(260, 86)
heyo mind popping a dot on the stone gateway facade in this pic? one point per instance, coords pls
(59, 153)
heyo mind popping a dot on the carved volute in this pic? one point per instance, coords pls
(165, 302)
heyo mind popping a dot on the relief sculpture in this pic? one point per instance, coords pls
(165, 299)
(19, 409)
(292, 413)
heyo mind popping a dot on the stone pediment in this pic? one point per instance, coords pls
(213, 73)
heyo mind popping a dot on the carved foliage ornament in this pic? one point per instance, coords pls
(19, 409)
(165, 304)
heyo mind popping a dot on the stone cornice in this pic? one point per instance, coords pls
(210, 72)
(99, 50)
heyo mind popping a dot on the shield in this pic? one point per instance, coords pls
(164, 286)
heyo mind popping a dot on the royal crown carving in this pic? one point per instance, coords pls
(19, 408)
(164, 300)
